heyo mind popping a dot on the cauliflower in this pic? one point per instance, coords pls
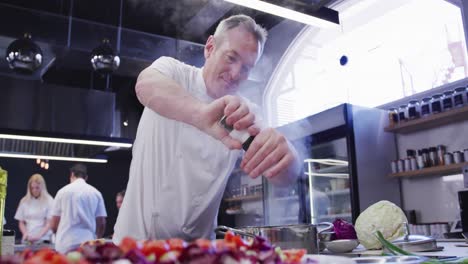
(384, 216)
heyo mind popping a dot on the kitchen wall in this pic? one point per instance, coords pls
(434, 198)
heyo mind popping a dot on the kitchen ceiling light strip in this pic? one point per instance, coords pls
(284, 12)
(29, 156)
(67, 140)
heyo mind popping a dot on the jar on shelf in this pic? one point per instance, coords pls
(433, 156)
(402, 113)
(392, 116)
(413, 109)
(426, 106)
(458, 96)
(447, 100)
(436, 104)
(448, 158)
(440, 154)
(458, 157)
(401, 165)
(407, 166)
(425, 154)
(413, 163)
(420, 160)
(466, 94)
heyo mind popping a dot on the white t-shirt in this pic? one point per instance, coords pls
(178, 173)
(35, 213)
(78, 204)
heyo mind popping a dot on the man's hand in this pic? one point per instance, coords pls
(270, 155)
(237, 113)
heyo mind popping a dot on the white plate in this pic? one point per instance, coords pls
(325, 259)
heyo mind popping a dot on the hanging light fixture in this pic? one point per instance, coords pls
(322, 17)
(103, 58)
(43, 163)
(23, 55)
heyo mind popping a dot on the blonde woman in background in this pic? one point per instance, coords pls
(33, 213)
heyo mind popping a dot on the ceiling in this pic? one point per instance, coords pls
(149, 29)
(191, 20)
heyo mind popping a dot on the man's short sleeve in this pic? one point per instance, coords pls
(168, 66)
(56, 205)
(101, 208)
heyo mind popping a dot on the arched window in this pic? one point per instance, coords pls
(381, 52)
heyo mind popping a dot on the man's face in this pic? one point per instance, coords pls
(229, 61)
(118, 201)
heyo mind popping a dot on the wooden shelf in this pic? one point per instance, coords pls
(338, 192)
(433, 120)
(433, 171)
(244, 198)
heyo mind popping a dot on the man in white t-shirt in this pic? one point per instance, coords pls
(182, 157)
(78, 214)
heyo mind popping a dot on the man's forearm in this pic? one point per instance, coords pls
(166, 97)
(53, 223)
(100, 226)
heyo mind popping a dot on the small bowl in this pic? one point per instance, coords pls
(342, 245)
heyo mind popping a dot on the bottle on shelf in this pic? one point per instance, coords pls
(413, 109)
(426, 106)
(392, 116)
(402, 113)
(447, 100)
(436, 104)
(459, 97)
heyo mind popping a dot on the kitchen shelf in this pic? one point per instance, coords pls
(433, 171)
(333, 169)
(328, 175)
(433, 120)
(338, 192)
(334, 216)
(287, 198)
(244, 198)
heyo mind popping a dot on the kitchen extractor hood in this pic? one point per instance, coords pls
(47, 121)
(47, 146)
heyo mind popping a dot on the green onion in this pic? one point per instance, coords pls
(391, 247)
(395, 250)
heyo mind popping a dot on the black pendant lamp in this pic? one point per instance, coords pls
(23, 55)
(103, 58)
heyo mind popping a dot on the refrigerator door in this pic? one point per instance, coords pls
(326, 183)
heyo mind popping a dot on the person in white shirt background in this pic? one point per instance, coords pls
(182, 157)
(119, 198)
(78, 213)
(33, 213)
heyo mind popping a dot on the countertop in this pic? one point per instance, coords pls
(452, 248)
